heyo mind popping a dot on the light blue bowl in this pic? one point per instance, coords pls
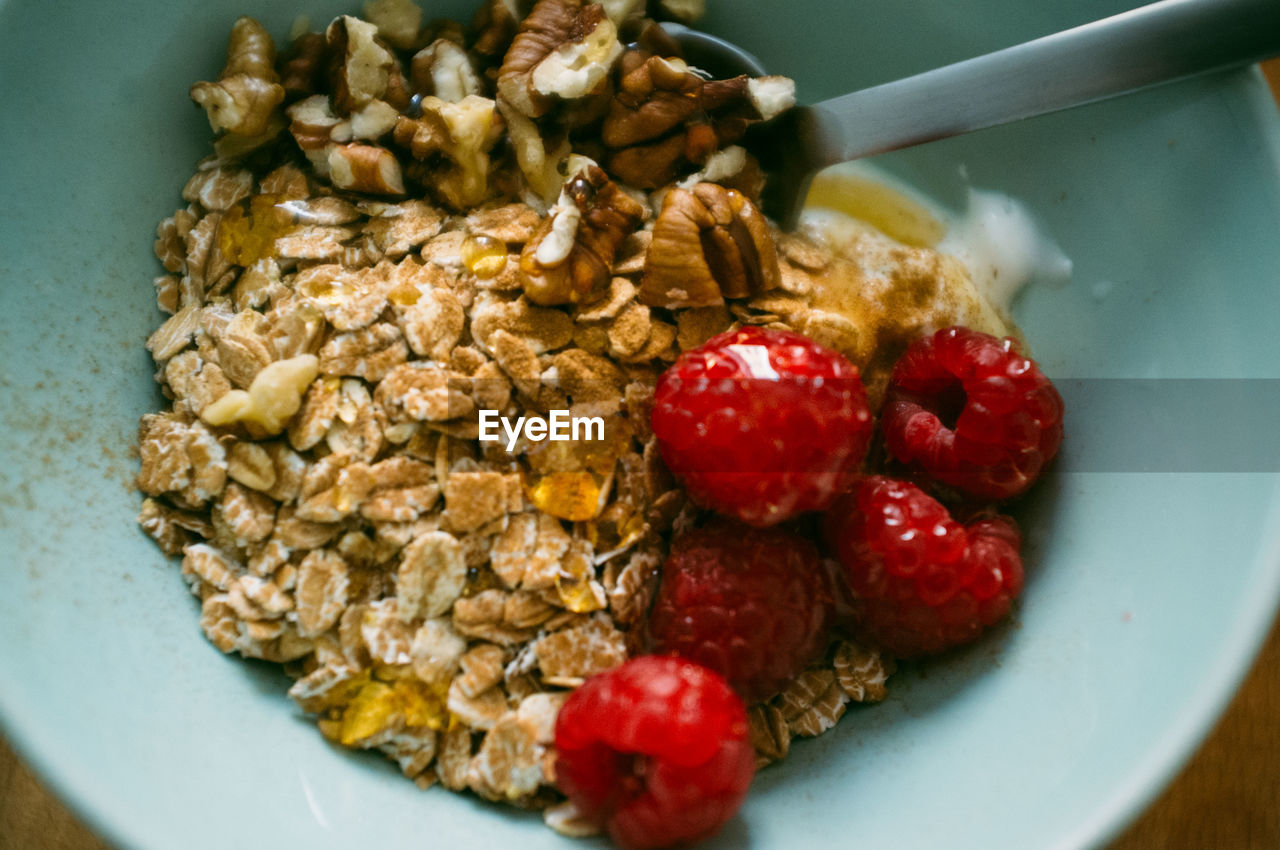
(1148, 593)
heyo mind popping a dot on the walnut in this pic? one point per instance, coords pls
(271, 400)
(243, 100)
(569, 258)
(365, 168)
(302, 65)
(360, 68)
(443, 69)
(494, 26)
(311, 123)
(665, 118)
(709, 243)
(538, 156)
(563, 49)
(372, 121)
(453, 141)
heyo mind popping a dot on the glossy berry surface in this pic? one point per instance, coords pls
(921, 582)
(655, 751)
(971, 412)
(753, 604)
(761, 424)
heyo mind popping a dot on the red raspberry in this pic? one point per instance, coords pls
(972, 412)
(656, 751)
(761, 424)
(922, 582)
(753, 604)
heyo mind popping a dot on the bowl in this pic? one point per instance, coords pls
(1153, 571)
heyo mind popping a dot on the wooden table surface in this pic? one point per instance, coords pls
(1227, 797)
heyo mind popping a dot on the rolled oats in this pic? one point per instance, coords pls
(861, 672)
(437, 650)
(431, 576)
(479, 712)
(509, 762)
(568, 656)
(770, 735)
(323, 582)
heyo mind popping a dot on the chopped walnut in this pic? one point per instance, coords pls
(665, 118)
(364, 168)
(243, 100)
(302, 65)
(444, 70)
(462, 134)
(272, 398)
(709, 243)
(359, 67)
(539, 156)
(563, 49)
(570, 256)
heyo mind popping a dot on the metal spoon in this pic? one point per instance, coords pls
(1153, 44)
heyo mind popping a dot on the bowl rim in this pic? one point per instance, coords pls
(80, 789)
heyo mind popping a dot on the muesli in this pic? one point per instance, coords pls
(415, 233)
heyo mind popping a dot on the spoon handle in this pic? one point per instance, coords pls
(1158, 43)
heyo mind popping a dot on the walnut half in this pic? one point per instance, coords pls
(571, 254)
(709, 243)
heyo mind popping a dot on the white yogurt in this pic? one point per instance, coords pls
(997, 238)
(1004, 249)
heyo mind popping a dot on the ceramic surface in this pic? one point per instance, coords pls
(1148, 592)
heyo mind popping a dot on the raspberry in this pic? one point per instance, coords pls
(656, 751)
(972, 413)
(761, 424)
(921, 582)
(753, 604)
